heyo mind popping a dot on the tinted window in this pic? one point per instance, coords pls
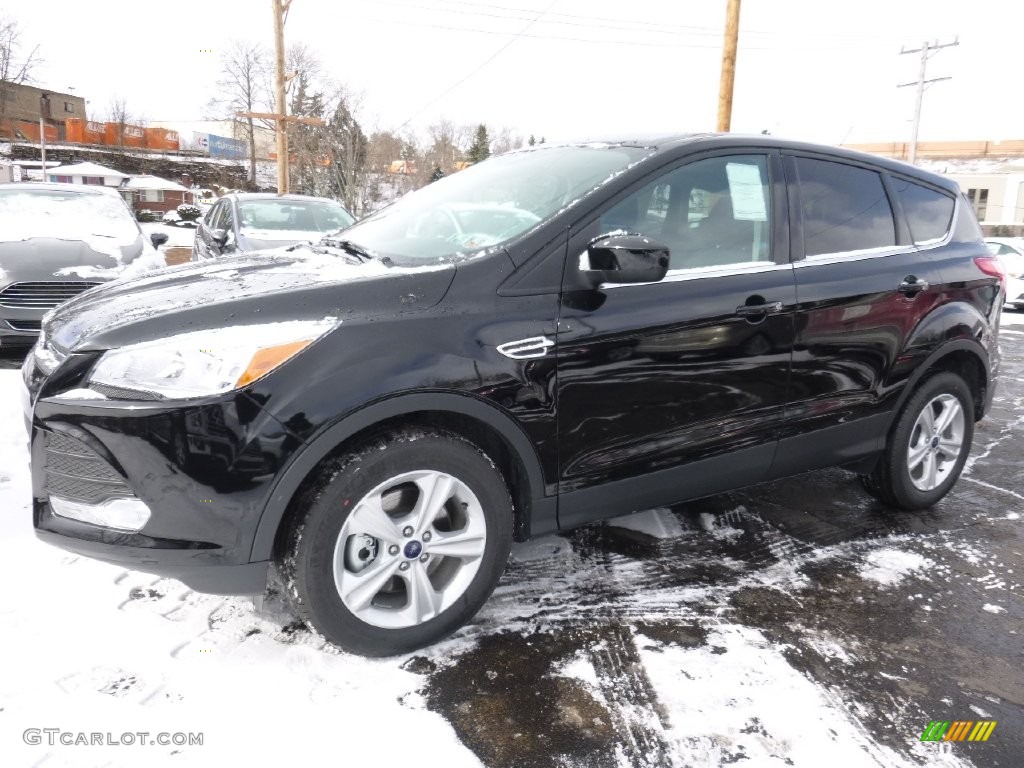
(709, 213)
(844, 208)
(928, 212)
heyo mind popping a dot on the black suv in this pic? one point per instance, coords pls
(551, 337)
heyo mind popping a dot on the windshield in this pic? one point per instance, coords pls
(489, 204)
(270, 216)
(66, 215)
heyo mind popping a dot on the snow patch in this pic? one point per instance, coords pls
(993, 608)
(890, 566)
(725, 703)
(580, 668)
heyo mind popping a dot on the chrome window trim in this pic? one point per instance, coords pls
(700, 273)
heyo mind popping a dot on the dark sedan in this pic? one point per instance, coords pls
(57, 240)
(242, 223)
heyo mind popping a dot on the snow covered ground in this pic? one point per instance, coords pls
(793, 624)
(180, 237)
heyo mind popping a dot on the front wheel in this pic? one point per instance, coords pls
(398, 543)
(928, 446)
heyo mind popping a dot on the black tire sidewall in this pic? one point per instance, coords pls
(903, 490)
(330, 507)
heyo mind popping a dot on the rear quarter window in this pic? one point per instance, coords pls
(929, 212)
(844, 208)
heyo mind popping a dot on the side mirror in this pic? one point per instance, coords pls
(220, 237)
(158, 239)
(625, 259)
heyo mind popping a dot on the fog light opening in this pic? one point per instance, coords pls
(119, 514)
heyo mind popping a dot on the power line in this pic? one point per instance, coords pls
(620, 23)
(483, 64)
(645, 43)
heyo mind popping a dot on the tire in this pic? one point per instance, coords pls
(400, 592)
(915, 472)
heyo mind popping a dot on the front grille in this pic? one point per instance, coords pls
(26, 325)
(42, 295)
(76, 472)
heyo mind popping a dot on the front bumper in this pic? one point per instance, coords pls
(204, 469)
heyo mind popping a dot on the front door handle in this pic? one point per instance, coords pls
(757, 310)
(911, 286)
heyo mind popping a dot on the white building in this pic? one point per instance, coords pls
(86, 173)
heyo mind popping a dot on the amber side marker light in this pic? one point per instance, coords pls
(268, 358)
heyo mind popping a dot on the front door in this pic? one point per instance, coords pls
(675, 389)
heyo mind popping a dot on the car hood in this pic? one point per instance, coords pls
(250, 289)
(48, 258)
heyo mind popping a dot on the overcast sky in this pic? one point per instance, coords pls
(819, 70)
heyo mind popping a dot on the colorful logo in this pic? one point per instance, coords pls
(958, 730)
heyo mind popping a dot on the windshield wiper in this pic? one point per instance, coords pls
(353, 249)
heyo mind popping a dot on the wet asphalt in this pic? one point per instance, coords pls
(924, 648)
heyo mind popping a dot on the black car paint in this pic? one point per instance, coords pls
(628, 413)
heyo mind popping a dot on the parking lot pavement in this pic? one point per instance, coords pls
(791, 623)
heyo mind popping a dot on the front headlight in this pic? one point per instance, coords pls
(207, 362)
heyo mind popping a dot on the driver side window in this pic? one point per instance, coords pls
(709, 213)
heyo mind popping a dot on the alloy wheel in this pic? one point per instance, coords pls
(409, 549)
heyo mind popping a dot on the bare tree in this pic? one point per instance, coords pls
(117, 113)
(243, 87)
(505, 141)
(15, 67)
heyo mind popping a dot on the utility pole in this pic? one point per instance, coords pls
(42, 146)
(281, 116)
(926, 50)
(732, 31)
(280, 16)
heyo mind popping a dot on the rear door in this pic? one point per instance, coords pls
(862, 288)
(675, 389)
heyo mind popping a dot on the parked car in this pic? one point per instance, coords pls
(1010, 251)
(57, 240)
(390, 409)
(244, 222)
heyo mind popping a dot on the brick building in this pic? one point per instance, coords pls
(21, 107)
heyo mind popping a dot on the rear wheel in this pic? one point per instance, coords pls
(928, 446)
(401, 542)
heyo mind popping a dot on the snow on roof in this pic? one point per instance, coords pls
(89, 169)
(147, 181)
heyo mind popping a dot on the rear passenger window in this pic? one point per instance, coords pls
(928, 212)
(844, 208)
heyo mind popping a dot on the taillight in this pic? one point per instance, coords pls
(991, 265)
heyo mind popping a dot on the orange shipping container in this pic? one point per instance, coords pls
(133, 135)
(30, 131)
(161, 138)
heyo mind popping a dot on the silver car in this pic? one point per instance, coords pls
(57, 240)
(242, 222)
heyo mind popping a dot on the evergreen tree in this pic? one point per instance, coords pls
(531, 141)
(481, 147)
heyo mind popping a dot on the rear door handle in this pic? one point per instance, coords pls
(756, 310)
(911, 286)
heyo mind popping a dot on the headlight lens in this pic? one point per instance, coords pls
(206, 362)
